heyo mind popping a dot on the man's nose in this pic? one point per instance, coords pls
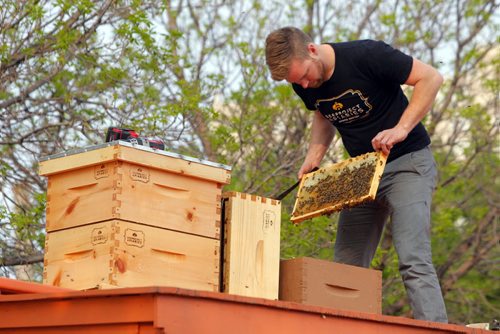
(304, 83)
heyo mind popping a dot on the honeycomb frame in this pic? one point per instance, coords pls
(339, 186)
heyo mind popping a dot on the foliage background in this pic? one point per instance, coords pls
(192, 73)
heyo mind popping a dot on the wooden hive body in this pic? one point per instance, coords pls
(328, 284)
(117, 253)
(251, 245)
(121, 215)
(128, 183)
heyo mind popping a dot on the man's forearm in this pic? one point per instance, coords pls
(322, 133)
(426, 82)
(424, 94)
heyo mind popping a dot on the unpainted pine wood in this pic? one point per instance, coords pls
(123, 190)
(252, 245)
(123, 254)
(170, 200)
(79, 258)
(82, 196)
(381, 160)
(136, 156)
(175, 165)
(75, 161)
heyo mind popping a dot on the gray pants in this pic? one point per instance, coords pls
(404, 194)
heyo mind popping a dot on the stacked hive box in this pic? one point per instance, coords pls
(126, 215)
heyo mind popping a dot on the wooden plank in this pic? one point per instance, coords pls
(180, 311)
(75, 161)
(251, 245)
(137, 156)
(10, 286)
(123, 254)
(123, 190)
(338, 186)
(89, 329)
(175, 165)
(78, 258)
(170, 200)
(152, 256)
(82, 196)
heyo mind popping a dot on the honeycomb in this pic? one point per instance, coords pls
(346, 184)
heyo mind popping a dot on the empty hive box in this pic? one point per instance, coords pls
(338, 186)
(117, 253)
(119, 180)
(334, 285)
(251, 246)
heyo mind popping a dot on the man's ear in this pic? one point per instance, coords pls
(313, 50)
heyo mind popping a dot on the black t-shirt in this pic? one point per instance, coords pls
(364, 96)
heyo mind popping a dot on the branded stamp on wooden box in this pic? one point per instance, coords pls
(117, 253)
(251, 245)
(334, 285)
(119, 180)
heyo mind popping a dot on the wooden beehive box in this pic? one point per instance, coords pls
(119, 180)
(338, 186)
(328, 284)
(117, 253)
(251, 245)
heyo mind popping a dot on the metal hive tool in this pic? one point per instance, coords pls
(338, 186)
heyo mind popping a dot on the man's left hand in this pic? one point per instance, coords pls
(385, 140)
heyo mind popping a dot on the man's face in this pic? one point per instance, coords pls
(308, 73)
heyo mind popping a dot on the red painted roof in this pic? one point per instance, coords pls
(45, 309)
(11, 286)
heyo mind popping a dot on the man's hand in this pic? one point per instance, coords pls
(306, 168)
(426, 81)
(385, 140)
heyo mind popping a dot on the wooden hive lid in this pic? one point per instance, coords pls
(137, 154)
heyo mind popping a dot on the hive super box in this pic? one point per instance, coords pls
(117, 253)
(251, 245)
(138, 214)
(334, 285)
(134, 183)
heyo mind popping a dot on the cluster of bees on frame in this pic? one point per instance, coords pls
(344, 188)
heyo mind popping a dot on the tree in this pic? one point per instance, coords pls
(193, 73)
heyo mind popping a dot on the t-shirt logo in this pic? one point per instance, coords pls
(337, 106)
(347, 107)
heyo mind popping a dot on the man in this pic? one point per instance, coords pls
(355, 88)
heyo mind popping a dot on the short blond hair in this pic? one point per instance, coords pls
(282, 46)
